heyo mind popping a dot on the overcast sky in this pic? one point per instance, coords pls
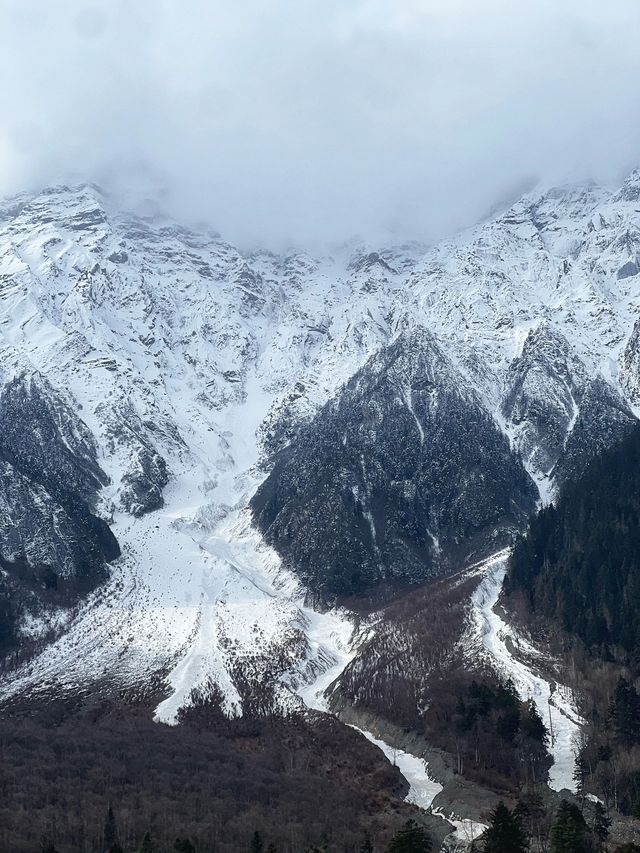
(305, 120)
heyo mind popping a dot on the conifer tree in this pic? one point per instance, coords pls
(410, 839)
(505, 833)
(367, 846)
(324, 843)
(110, 831)
(601, 825)
(625, 712)
(580, 771)
(532, 724)
(569, 832)
(146, 845)
(530, 812)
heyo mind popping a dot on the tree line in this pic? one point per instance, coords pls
(410, 838)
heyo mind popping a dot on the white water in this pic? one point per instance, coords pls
(554, 702)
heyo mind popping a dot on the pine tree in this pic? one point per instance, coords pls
(504, 833)
(579, 777)
(410, 839)
(601, 825)
(367, 846)
(569, 832)
(530, 811)
(324, 843)
(625, 712)
(256, 845)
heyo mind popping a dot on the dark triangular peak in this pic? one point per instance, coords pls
(397, 479)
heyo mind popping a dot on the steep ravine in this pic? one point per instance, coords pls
(497, 640)
(433, 784)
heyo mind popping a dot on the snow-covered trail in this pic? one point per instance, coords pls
(554, 702)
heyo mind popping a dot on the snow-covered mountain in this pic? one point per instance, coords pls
(155, 375)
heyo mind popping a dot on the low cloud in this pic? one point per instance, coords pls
(295, 120)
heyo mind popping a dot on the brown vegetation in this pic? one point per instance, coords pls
(212, 781)
(416, 672)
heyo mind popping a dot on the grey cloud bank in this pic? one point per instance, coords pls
(280, 120)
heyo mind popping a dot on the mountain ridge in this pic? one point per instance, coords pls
(192, 363)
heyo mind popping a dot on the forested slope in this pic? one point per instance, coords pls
(579, 562)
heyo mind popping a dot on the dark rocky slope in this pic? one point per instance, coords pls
(399, 478)
(51, 540)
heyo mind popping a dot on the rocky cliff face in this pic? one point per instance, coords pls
(604, 419)
(559, 416)
(630, 365)
(400, 477)
(541, 400)
(50, 537)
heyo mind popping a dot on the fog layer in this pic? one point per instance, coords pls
(281, 120)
